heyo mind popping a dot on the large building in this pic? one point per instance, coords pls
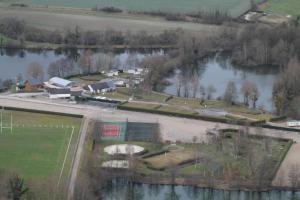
(57, 82)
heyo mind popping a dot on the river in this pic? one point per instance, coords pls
(216, 70)
(122, 191)
(219, 70)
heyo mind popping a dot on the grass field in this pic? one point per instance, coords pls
(284, 7)
(40, 147)
(234, 7)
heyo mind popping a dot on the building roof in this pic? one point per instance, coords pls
(34, 82)
(59, 91)
(99, 86)
(60, 82)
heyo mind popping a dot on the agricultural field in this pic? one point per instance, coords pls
(38, 147)
(283, 7)
(234, 7)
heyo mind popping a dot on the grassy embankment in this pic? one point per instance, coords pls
(40, 148)
(160, 102)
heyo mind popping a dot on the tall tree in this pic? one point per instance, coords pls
(36, 71)
(230, 94)
(16, 188)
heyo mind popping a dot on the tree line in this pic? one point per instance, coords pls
(21, 31)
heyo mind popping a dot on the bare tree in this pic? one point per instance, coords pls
(36, 71)
(210, 91)
(230, 94)
(86, 61)
(16, 187)
(195, 85)
(104, 62)
(246, 90)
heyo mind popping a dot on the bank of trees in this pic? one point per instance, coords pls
(258, 44)
(19, 30)
(286, 91)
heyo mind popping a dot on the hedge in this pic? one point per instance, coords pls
(192, 116)
(280, 128)
(43, 112)
(279, 118)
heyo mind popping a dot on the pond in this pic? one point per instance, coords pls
(215, 71)
(218, 70)
(16, 61)
(166, 192)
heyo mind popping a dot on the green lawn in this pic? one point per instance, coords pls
(284, 7)
(40, 146)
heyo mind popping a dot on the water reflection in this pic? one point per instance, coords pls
(217, 71)
(162, 192)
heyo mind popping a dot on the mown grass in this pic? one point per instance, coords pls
(38, 146)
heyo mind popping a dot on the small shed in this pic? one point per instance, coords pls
(59, 93)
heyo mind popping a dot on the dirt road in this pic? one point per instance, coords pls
(172, 128)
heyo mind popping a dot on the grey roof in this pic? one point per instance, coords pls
(59, 91)
(34, 82)
(60, 82)
(99, 86)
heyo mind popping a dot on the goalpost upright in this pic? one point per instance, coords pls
(1, 121)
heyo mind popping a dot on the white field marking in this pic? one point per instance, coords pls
(66, 155)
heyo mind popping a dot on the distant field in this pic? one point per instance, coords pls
(40, 146)
(284, 7)
(235, 7)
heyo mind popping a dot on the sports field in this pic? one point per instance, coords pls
(284, 7)
(38, 146)
(235, 7)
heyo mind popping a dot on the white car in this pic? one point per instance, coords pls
(100, 97)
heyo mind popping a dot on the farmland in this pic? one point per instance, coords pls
(39, 147)
(284, 7)
(235, 7)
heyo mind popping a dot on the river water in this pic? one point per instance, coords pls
(122, 191)
(216, 70)
(219, 70)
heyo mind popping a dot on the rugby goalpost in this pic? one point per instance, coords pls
(4, 126)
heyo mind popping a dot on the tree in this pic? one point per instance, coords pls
(286, 88)
(210, 91)
(86, 61)
(36, 71)
(104, 62)
(254, 95)
(230, 94)
(60, 68)
(16, 188)
(245, 90)
(195, 85)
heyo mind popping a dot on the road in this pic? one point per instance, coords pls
(172, 128)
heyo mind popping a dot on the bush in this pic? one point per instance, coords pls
(111, 10)
(279, 118)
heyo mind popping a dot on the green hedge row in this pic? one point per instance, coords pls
(191, 116)
(280, 128)
(43, 112)
(279, 118)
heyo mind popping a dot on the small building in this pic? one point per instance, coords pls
(59, 93)
(100, 87)
(57, 82)
(33, 85)
(112, 73)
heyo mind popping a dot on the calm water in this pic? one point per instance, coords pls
(218, 70)
(14, 62)
(161, 192)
